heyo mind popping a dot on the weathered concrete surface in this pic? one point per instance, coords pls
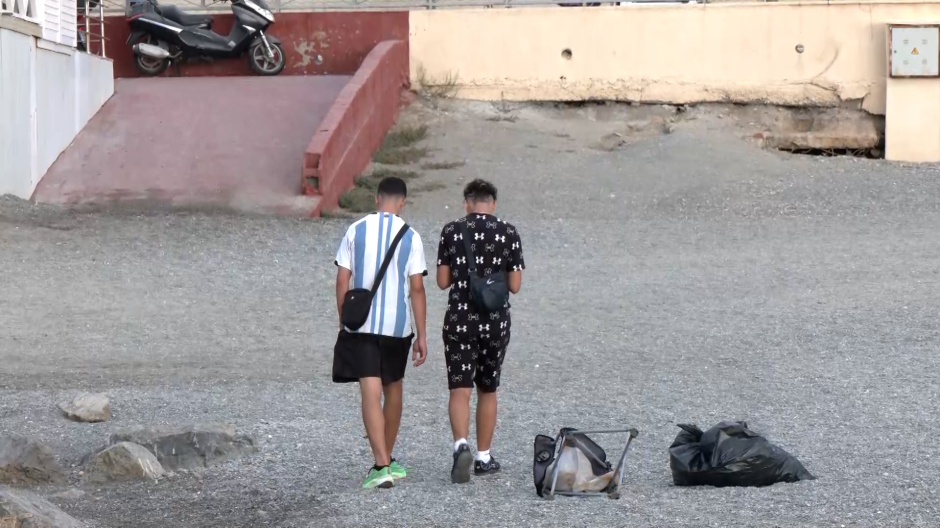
(191, 446)
(24, 462)
(826, 129)
(235, 143)
(787, 53)
(23, 509)
(356, 124)
(123, 461)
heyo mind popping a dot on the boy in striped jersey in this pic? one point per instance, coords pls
(376, 354)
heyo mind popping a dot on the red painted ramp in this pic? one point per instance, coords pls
(235, 142)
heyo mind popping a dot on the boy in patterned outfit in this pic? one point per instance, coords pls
(475, 342)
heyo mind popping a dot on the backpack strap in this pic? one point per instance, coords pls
(388, 258)
(468, 248)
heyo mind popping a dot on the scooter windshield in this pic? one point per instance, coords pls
(262, 6)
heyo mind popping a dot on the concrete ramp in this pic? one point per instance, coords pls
(234, 142)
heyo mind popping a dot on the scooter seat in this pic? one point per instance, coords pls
(174, 13)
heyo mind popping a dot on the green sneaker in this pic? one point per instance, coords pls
(396, 470)
(378, 478)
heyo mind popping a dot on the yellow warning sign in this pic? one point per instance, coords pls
(915, 52)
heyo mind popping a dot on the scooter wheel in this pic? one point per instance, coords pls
(150, 66)
(263, 65)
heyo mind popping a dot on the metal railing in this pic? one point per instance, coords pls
(91, 24)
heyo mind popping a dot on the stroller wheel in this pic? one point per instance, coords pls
(614, 495)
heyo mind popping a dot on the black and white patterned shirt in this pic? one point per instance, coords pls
(496, 247)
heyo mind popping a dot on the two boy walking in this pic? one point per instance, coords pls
(380, 287)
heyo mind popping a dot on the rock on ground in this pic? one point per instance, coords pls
(123, 461)
(22, 509)
(191, 446)
(87, 408)
(71, 494)
(24, 462)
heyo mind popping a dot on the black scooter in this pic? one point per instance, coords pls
(161, 34)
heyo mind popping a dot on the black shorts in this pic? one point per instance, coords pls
(476, 359)
(370, 356)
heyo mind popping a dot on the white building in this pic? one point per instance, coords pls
(48, 89)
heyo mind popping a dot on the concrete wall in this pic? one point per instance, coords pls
(47, 94)
(357, 122)
(665, 53)
(17, 146)
(342, 40)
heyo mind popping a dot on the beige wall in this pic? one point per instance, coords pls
(665, 53)
(912, 123)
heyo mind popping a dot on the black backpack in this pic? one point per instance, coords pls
(490, 293)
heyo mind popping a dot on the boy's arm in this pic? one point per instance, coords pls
(420, 309)
(343, 273)
(444, 278)
(516, 263)
(343, 276)
(417, 269)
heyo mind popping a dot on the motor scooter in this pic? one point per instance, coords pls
(161, 34)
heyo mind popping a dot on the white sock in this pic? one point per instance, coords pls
(458, 443)
(484, 456)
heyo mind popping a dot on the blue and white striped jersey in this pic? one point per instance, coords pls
(362, 251)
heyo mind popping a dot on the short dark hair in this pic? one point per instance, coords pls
(479, 191)
(392, 186)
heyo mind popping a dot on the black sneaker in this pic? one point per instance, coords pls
(481, 468)
(463, 459)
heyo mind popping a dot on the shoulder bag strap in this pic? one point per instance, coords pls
(388, 258)
(468, 248)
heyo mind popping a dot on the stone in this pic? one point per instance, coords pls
(123, 461)
(830, 129)
(72, 494)
(24, 462)
(87, 408)
(23, 509)
(191, 446)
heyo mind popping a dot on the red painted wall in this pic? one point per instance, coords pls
(356, 123)
(343, 39)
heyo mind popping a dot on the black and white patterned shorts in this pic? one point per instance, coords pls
(475, 359)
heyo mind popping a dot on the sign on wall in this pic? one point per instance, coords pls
(913, 51)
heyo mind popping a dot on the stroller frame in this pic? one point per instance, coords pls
(613, 490)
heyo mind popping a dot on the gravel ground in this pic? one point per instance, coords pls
(688, 277)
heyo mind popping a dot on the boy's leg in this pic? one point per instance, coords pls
(394, 352)
(374, 419)
(459, 410)
(486, 419)
(487, 382)
(392, 413)
(461, 357)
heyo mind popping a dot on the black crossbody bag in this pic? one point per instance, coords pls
(358, 301)
(489, 293)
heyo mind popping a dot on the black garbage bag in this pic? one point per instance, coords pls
(730, 454)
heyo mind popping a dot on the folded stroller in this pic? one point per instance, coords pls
(573, 464)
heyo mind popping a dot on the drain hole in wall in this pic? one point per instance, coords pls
(566, 54)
